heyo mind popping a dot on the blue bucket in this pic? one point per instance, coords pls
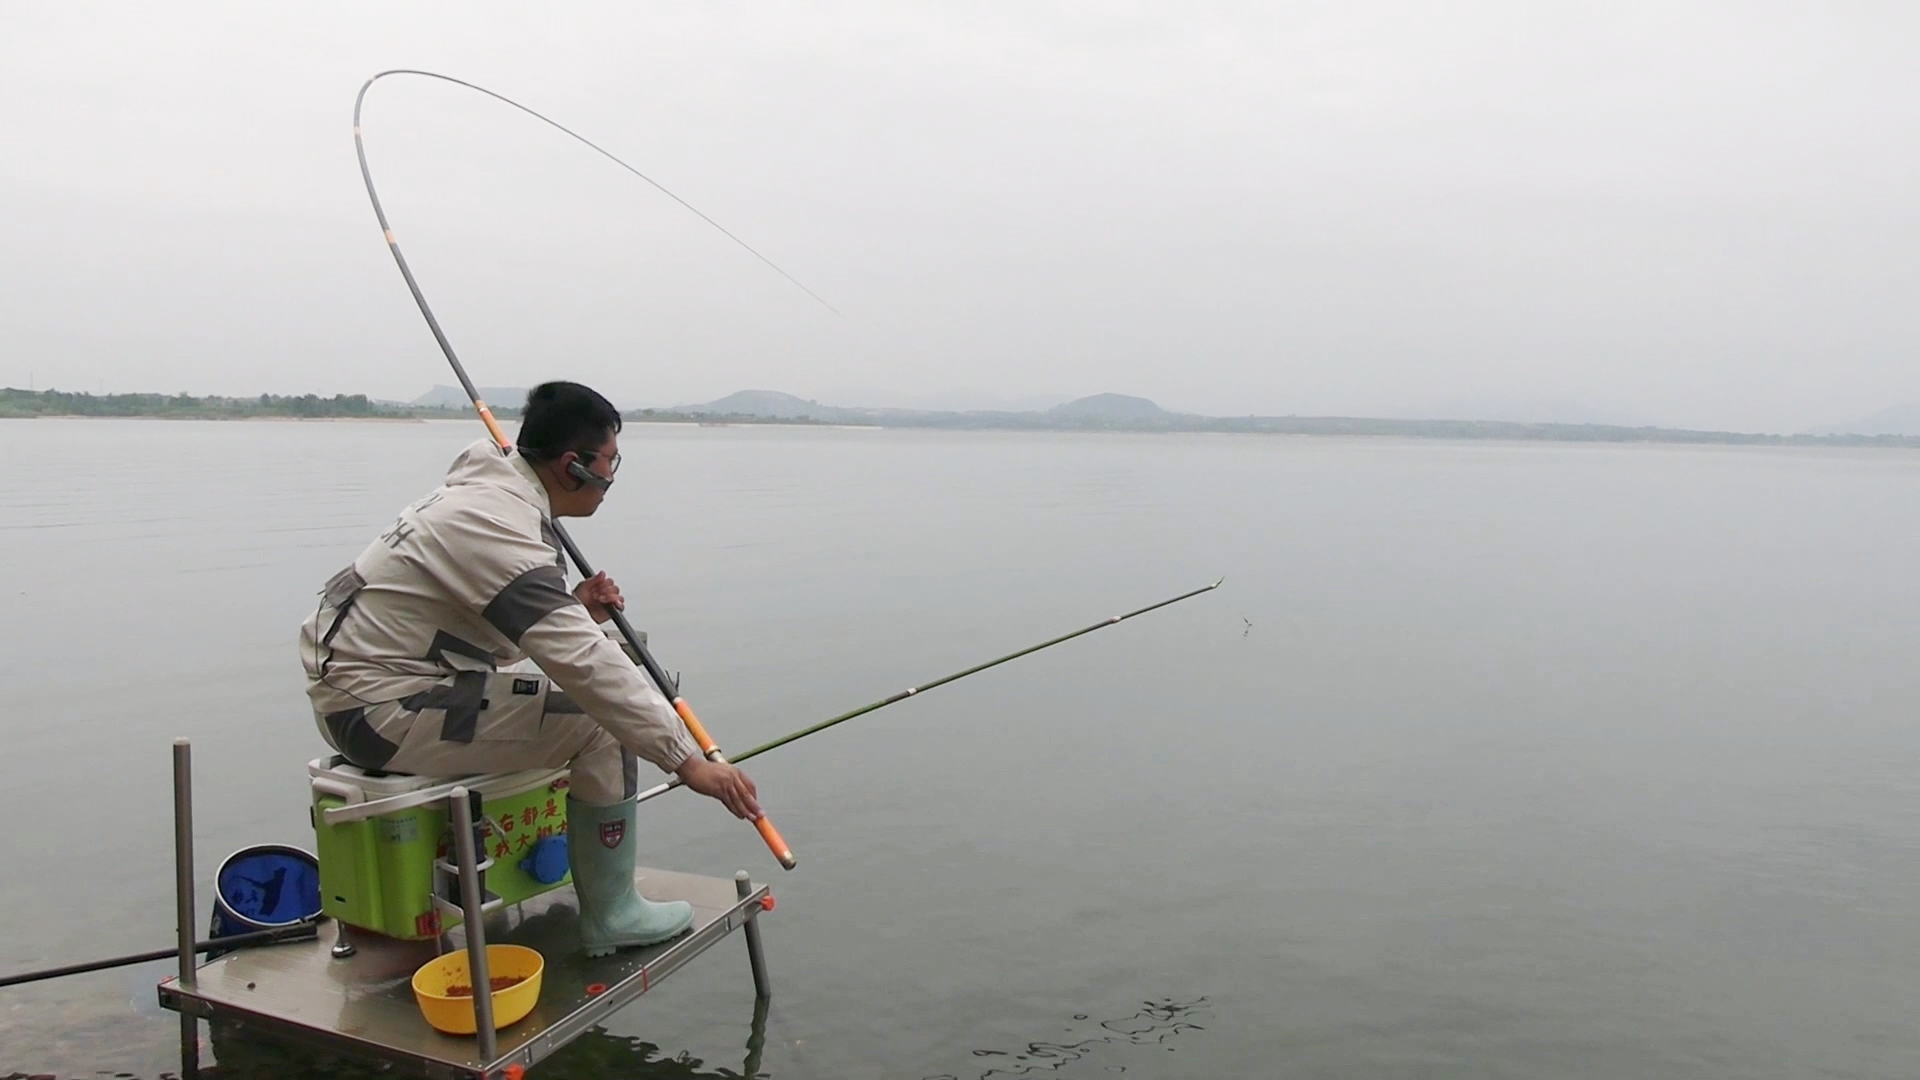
(265, 887)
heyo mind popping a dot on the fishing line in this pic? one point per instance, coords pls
(360, 149)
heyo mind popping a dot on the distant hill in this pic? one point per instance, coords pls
(1898, 420)
(772, 405)
(1111, 407)
(452, 397)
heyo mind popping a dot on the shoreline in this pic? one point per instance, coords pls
(1807, 442)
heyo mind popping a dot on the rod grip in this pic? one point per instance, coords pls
(695, 727)
(775, 843)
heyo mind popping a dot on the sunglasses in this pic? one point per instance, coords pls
(613, 463)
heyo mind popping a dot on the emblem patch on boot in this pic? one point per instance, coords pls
(612, 832)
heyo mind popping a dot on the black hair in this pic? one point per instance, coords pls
(563, 416)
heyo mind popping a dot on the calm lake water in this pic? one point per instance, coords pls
(1490, 760)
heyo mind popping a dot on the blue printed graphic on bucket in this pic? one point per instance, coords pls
(268, 886)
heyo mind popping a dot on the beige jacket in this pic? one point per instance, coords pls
(472, 578)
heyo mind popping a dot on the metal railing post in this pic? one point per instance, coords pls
(461, 814)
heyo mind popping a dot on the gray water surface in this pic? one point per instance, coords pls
(1492, 760)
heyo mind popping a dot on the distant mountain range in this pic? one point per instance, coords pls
(1898, 420)
(776, 405)
(1099, 412)
(1123, 412)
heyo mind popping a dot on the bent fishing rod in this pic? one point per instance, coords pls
(668, 688)
(915, 691)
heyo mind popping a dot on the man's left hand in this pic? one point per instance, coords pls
(601, 596)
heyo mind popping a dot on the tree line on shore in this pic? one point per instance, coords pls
(25, 403)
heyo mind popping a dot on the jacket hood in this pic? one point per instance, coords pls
(482, 463)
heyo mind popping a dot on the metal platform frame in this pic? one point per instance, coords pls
(354, 996)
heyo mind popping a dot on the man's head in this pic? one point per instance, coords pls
(567, 433)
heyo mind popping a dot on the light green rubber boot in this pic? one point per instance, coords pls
(600, 853)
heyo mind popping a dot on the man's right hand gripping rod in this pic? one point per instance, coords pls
(775, 843)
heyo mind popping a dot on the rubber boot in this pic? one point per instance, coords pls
(600, 847)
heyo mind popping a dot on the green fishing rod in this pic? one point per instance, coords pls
(915, 691)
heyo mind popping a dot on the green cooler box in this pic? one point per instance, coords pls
(377, 873)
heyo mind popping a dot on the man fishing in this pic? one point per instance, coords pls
(405, 655)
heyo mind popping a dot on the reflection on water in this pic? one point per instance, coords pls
(252, 1055)
(1153, 1025)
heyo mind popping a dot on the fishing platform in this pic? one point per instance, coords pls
(350, 992)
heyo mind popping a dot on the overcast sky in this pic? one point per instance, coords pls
(1677, 212)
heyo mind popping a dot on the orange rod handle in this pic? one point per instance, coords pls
(695, 727)
(775, 843)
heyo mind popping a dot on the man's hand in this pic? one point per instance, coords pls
(720, 781)
(601, 596)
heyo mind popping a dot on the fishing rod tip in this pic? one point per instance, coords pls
(1217, 581)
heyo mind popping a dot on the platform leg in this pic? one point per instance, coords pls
(183, 899)
(470, 903)
(742, 885)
